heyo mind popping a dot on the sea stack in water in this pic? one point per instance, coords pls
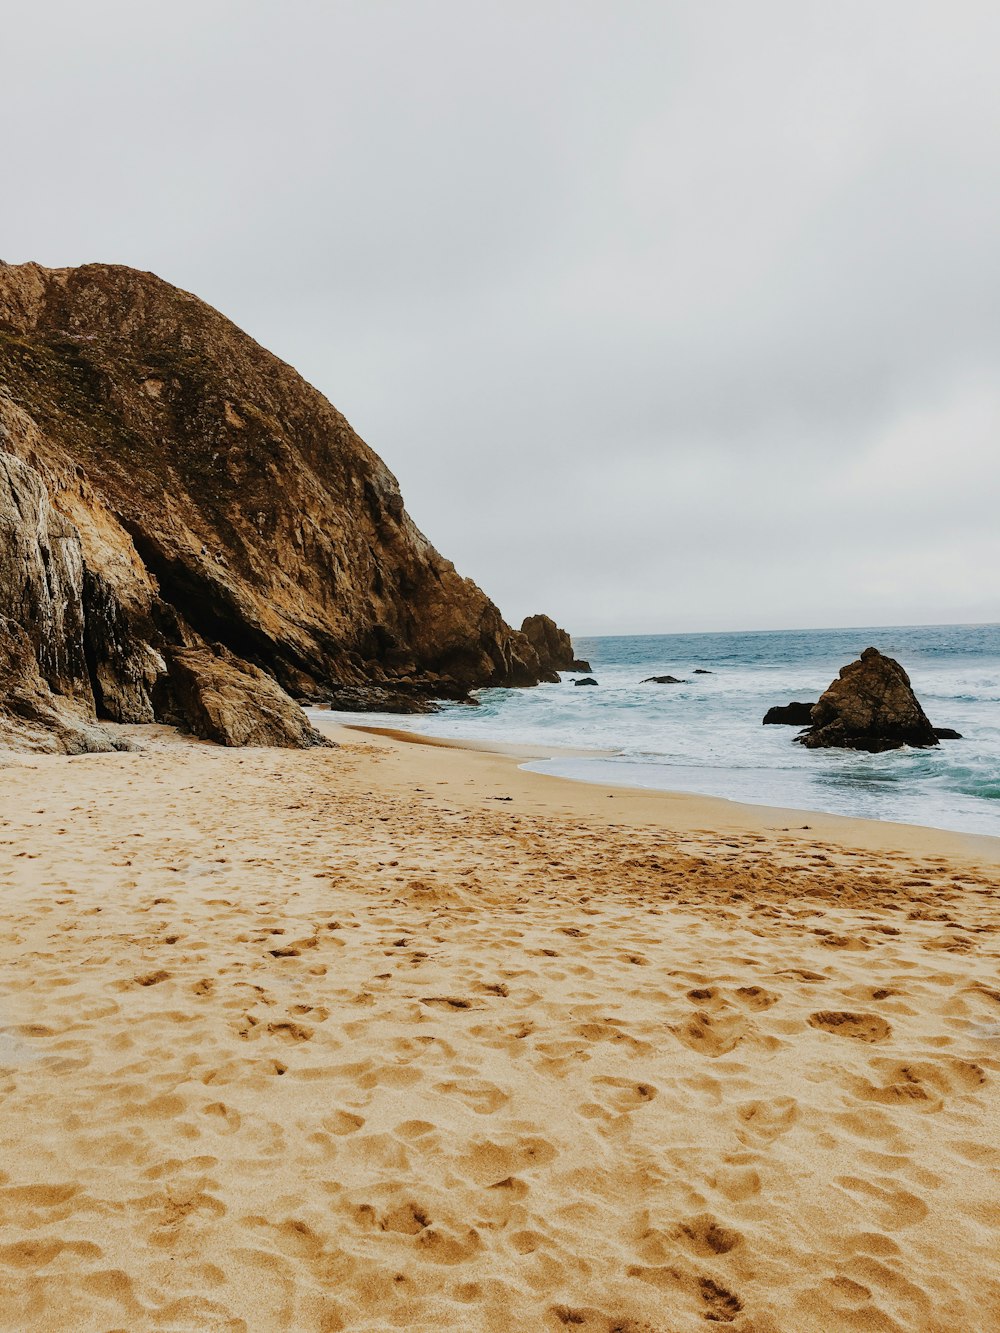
(870, 706)
(191, 533)
(552, 645)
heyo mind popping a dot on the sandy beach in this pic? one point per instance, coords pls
(399, 1036)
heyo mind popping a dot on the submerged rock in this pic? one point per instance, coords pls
(703, 671)
(870, 706)
(587, 680)
(789, 715)
(662, 680)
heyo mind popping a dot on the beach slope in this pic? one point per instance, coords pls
(399, 1036)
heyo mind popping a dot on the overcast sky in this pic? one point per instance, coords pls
(668, 316)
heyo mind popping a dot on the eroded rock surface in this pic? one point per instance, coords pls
(870, 706)
(32, 717)
(167, 484)
(552, 645)
(235, 703)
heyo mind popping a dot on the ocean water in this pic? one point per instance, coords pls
(706, 735)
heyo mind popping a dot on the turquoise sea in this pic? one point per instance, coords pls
(706, 735)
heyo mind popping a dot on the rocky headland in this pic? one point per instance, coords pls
(191, 533)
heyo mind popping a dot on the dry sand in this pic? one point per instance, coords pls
(350, 1040)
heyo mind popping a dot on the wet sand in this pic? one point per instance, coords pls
(399, 1036)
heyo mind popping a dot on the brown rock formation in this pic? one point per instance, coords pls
(167, 484)
(32, 717)
(226, 700)
(870, 706)
(552, 645)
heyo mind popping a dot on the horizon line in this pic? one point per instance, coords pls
(804, 629)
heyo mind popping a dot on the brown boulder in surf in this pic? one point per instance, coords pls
(870, 706)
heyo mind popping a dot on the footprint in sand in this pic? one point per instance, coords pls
(587, 1319)
(737, 1180)
(756, 997)
(445, 1247)
(38, 1197)
(488, 1162)
(626, 1094)
(342, 1123)
(36, 1254)
(419, 1132)
(768, 1120)
(843, 1023)
(294, 1032)
(711, 1034)
(705, 1235)
(717, 1303)
(802, 974)
(895, 1208)
(921, 1084)
(478, 1095)
(295, 949)
(406, 1218)
(228, 1118)
(709, 996)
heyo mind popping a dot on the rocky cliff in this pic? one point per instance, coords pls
(177, 506)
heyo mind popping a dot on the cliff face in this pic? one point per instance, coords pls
(167, 484)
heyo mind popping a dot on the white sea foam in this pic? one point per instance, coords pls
(705, 735)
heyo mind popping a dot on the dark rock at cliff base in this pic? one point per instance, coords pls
(167, 484)
(870, 706)
(789, 715)
(32, 717)
(662, 680)
(235, 703)
(377, 699)
(947, 734)
(552, 645)
(587, 680)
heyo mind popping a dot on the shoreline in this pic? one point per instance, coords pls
(674, 808)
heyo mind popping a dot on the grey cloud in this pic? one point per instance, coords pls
(666, 316)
